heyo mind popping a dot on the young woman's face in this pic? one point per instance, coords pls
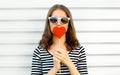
(59, 14)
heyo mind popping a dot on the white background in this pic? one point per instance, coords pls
(97, 24)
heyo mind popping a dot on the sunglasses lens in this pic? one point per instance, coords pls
(64, 20)
(53, 19)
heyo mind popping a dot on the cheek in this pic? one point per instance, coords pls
(66, 27)
(51, 27)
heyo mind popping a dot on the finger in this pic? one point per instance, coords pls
(62, 51)
(61, 55)
(56, 59)
(58, 55)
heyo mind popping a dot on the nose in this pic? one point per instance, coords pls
(58, 23)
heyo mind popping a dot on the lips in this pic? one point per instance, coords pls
(59, 31)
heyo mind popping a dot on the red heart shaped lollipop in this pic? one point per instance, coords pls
(59, 31)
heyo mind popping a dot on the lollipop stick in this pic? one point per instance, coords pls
(59, 43)
(59, 48)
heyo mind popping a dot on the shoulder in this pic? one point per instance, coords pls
(81, 48)
(38, 49)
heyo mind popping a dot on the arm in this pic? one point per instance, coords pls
(63, 56)
(56, 67)
(72, 69)
(36, 63)
(82, 64)
(53, 71)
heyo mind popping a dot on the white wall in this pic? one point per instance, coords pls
(97, 23)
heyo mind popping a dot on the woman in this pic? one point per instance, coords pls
(59, 52)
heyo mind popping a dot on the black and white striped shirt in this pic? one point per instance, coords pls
(42, 62)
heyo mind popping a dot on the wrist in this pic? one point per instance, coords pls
(69, 63)
(73, 70)
(56, 68)
(53, 71)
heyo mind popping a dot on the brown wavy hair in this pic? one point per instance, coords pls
(47, 37)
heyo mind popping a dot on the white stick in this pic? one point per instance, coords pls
(59, 48)
(59, 43)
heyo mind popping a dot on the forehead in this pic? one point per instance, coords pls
(59, 13)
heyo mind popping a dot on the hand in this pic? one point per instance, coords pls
(56, 63)
(56, 67)
(62, 56)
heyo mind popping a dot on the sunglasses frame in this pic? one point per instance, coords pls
(59, 19)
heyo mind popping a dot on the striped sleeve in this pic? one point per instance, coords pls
(82, 64)
(36, 62)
